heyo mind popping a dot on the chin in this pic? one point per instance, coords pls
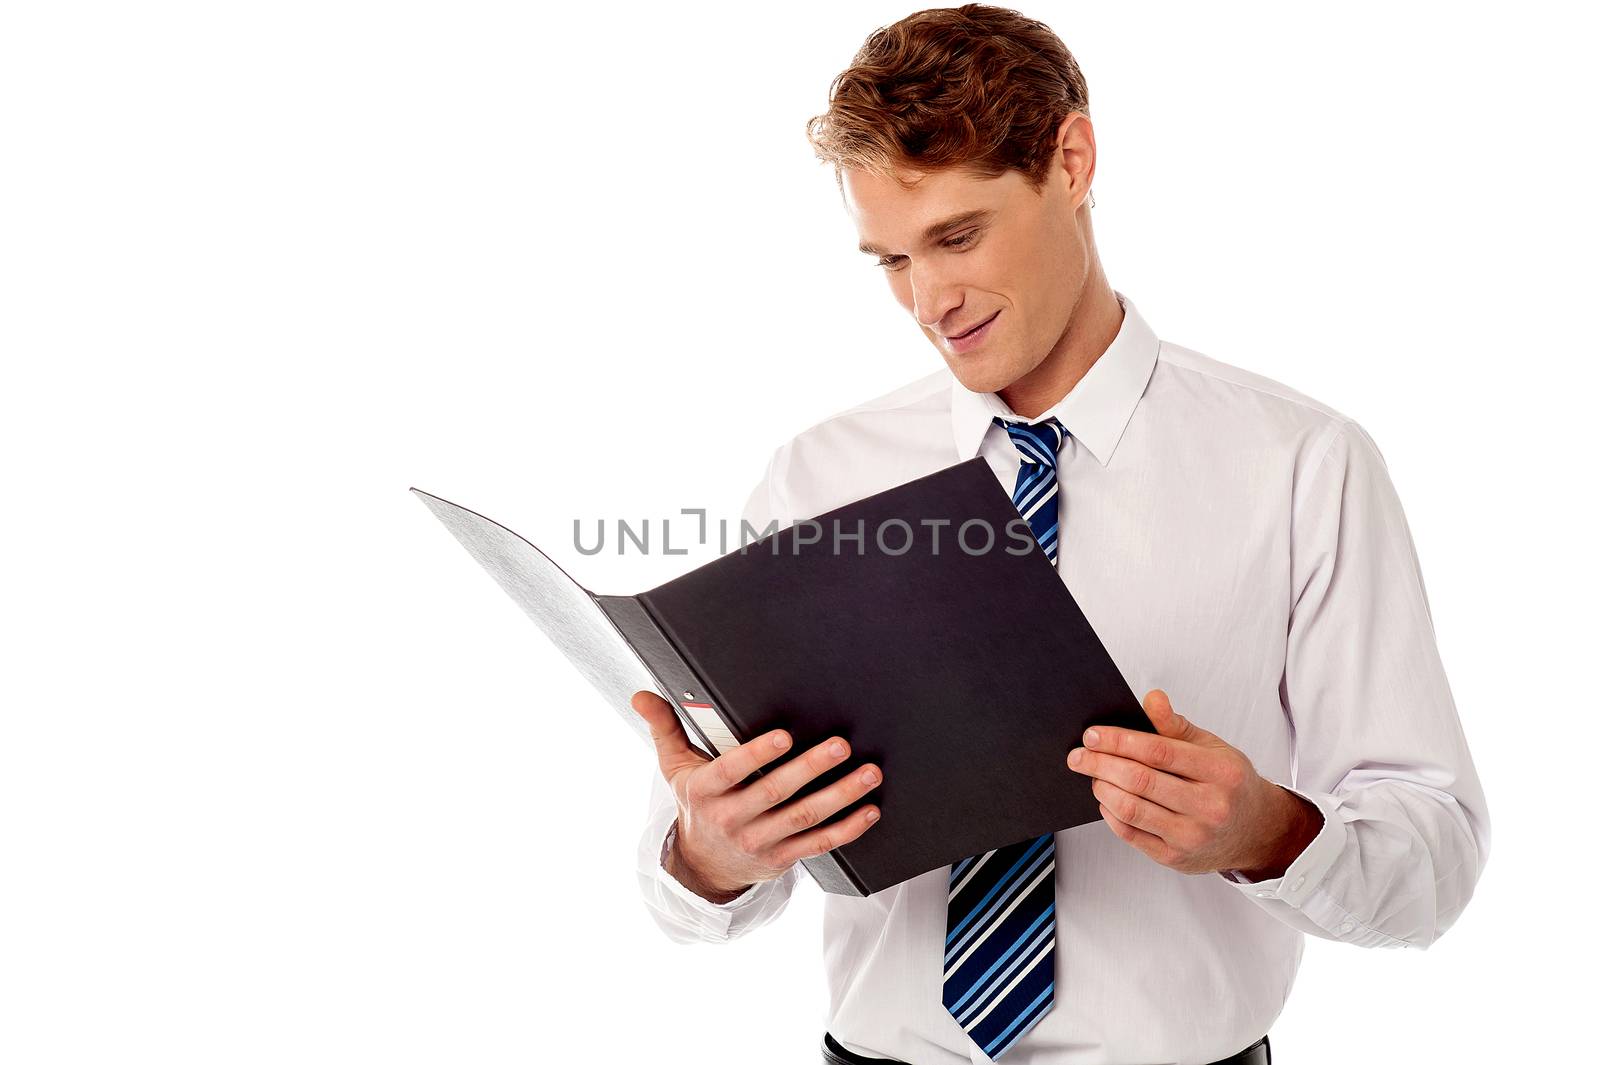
(978, 373)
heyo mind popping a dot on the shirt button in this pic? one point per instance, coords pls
(1348, 926)
(1298, 881)
(1263, 894)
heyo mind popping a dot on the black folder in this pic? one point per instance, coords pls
(923, 624)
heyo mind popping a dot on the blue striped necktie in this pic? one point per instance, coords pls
(999, 947)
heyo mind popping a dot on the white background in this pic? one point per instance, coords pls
(285, 777)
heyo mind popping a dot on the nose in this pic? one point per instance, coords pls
(933, 295)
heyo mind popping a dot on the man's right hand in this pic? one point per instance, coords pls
(732, 835)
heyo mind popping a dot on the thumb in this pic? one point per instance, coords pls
(666, 732)
(1168, 722)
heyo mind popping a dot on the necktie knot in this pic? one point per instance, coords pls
(1039, 442)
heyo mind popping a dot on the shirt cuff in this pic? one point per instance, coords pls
(1307, 871)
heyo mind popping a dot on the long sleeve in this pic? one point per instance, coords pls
(1378, 746)
(684, 916)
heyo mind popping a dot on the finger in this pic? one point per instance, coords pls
(1177, 757)
(731, 768)
(1143, 814)
(824, 839)
(1168, 722)
(672, 744)
(1153, 846)
(802, 814)
(776, 787)
(1163, 789)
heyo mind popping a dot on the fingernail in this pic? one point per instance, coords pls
(872, 815)
(836, 749)
(780, 741)
(869, 777)
(1075, 757)
(1091, 737)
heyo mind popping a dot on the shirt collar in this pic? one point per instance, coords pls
(1097, 408)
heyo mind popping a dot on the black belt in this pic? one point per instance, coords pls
(1257, 1053)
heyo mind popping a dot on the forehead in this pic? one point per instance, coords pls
(886, 212)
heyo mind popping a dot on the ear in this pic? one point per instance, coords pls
(1076, 154)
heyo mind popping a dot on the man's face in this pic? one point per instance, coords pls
(1013, 258)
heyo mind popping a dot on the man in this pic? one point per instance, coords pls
(1238, 547)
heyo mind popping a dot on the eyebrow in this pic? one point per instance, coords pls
(939, 229)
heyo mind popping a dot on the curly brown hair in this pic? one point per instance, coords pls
(973, 87)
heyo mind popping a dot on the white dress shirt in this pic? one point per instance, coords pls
(1240, 546)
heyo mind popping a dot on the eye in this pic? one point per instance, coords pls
(889, 262)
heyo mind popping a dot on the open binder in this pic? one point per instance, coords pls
(918, 623)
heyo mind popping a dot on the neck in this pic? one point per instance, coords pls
(1092, 327)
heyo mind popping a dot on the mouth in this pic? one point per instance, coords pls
(964, 342)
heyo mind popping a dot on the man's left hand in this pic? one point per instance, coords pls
(1191, 801)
